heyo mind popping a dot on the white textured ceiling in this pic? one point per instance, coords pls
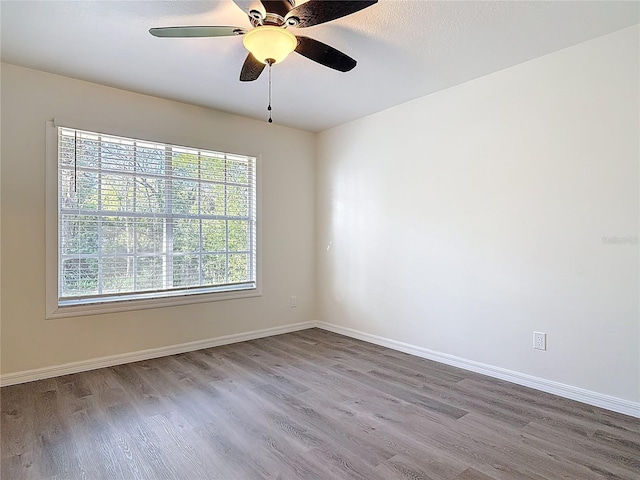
(405, 49)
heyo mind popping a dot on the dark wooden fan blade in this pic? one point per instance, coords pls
(279, 7)
(324, 54)
(315, 12)
(196, 31)
(251, 69)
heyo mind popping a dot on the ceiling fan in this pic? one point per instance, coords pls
(269, 41)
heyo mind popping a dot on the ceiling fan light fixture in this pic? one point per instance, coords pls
(269, 42)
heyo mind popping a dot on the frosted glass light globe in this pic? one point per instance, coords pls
(270, 42)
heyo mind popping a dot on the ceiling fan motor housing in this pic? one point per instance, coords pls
(278, 7)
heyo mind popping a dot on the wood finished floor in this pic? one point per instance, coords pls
(305, 405)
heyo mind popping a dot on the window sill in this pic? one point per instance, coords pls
(145, 304)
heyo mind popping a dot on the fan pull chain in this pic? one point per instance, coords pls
(269, 107)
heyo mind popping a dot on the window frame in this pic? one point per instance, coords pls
(144, 301)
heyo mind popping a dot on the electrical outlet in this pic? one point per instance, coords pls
(539, 340)
(293, 302)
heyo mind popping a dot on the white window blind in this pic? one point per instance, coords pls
(138, 219)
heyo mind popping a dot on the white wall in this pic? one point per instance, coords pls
(29, 99)
(463, 221)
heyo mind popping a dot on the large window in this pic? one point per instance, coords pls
(140, 220)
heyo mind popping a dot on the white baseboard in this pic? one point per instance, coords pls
(111, 360)
(567, 391)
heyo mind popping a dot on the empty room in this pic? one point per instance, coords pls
(309, 239)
